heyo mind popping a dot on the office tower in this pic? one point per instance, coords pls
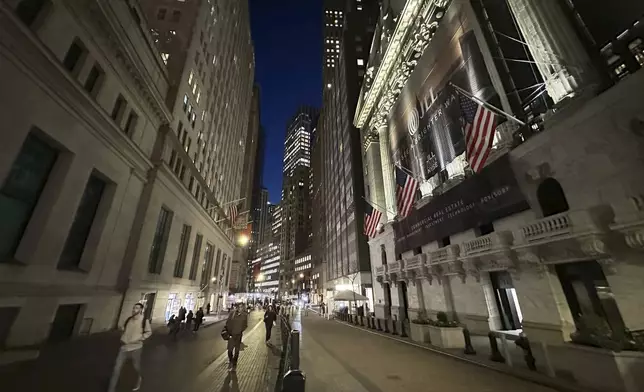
(338, 175)
(296, 234)
(333, 20)
(207, 52)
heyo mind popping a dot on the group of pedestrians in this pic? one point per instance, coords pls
(137, 329)
(184, 321)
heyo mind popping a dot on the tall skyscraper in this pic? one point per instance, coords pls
(333, 20)
(338, 173)
(296, 232)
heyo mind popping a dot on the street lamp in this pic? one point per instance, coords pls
(301, 276)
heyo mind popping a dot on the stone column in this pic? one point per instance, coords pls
(373, 174)
(388, 180)
(558, 52)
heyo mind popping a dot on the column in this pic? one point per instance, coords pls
(388, 181)
(373, 172)
(560, 55)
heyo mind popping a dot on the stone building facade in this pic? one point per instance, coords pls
(99, 214)
(546, 239)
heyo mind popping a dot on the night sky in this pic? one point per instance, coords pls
(287, 35)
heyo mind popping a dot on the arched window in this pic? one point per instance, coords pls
(551, 197)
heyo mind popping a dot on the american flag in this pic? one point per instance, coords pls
(480, 125)
(232, 213)
(406, 187)
(371, 221)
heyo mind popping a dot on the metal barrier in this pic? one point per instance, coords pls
(290, 378)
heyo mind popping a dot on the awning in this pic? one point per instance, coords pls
(348, 295)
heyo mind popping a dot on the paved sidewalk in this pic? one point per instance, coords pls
(85, 364)
(256, 369)
(337, 357)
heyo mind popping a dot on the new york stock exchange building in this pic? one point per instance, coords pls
(537, 227)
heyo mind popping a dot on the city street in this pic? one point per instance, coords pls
(85, 364)
(337, 357)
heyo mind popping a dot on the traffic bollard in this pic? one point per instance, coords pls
(294, 381)
(494, 348)
(469, 349)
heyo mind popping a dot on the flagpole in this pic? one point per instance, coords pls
(234, 201)
(374, 204)
(403, 168)
(487, 105)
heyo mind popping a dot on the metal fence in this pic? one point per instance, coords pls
(290, 378)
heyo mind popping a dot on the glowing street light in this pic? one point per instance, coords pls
(243, 240)
(213, 279)
(301, 276)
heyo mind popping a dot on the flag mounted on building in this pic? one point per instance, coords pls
(406, 187)
(371, 221)
(480, 126)
(233, 211)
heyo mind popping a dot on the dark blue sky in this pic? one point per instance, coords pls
(288, 55)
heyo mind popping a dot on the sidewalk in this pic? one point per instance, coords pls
(340, 357)
(85, 364)
(256, 371)
(515, 364)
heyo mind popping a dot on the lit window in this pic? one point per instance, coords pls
(164, 57)
(360, 62)
(190, 77)
(172, 32)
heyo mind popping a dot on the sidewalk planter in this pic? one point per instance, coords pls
(599, 368)
(419, 332)
(446, 337)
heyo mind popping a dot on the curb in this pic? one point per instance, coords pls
(550, 383)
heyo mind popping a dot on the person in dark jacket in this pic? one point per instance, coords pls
(235, 325)
(189, 317)
(198, 319)
(269, 319)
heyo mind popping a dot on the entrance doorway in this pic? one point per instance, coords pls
(63, 326)
(173, 305)
(402, 296)
(506, 300)
(387, 300)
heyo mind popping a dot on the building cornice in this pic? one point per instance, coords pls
(414, 30)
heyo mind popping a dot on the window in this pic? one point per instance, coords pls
(185, 103)
(118, 109)
(176, 15)
(74, 54)
(165, 57)
(93, 79)
(183, 251)
(83, 220)
(196, 252)
(161, 13)
(206, 269)
(29, 10)
(130, 125)
(360, 62)
(160, 241)
(21, 190)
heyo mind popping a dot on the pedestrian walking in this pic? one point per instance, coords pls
(173, 326)
(189, 317)
(135, 331)
(198, 319)
(235, 325)
(182, 317)
(269, 320)
(207, 308)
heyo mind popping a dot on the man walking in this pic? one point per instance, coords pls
(135, 330)
(269, 319)
(235, 325)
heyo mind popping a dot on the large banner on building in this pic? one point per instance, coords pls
(426, 126)
(491, 194)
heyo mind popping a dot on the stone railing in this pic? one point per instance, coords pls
(488, 243)
(552, 226)
(414, 262)
(445, 254)
(394, 267)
